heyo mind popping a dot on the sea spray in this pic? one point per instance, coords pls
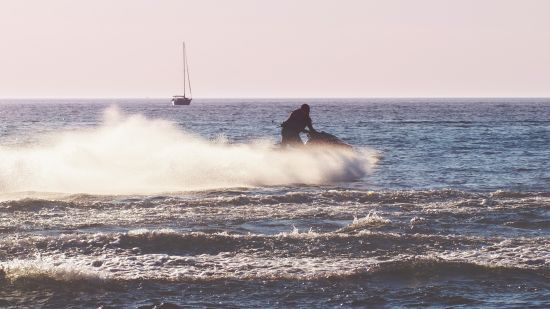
(132, 154)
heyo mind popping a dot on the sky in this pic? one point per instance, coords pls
(282, 48)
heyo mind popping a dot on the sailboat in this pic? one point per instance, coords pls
(184, 100)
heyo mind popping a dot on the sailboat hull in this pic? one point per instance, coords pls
(181, 101)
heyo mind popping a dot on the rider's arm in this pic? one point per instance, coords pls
(309, 125)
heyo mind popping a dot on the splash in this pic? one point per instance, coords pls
(370, 220)
(131, 154)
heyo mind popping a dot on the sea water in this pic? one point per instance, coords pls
(120, 203)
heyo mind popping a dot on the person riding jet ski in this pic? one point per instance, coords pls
(296, 123)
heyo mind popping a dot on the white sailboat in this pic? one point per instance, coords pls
(183, 99)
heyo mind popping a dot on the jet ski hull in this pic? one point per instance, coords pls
(324, 139)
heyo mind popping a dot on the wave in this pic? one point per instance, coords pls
(49, 272)
(516, 194)
(243, 197)
(349, 242)
(41, 273)
(28, 204)
(136, 155)
(428, 267)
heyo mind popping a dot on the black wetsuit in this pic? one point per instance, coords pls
(296, 123)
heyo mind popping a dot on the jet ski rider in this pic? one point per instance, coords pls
(296, 123)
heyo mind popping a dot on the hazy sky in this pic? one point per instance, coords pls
(280, 48)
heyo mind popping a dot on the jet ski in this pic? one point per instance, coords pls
(323, 139)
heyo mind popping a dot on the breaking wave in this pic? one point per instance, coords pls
(175, 256)
(445, 198)
(48, 272)
(32, 273)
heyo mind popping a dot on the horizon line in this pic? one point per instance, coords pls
(279, 98)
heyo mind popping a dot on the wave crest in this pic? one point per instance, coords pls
(47, 272)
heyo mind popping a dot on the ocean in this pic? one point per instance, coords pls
(134, 203)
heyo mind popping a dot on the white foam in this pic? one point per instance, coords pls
(58, 270)
(515, 252)
(371, 219)
(295, 233)
(133, 154)
(272, 261)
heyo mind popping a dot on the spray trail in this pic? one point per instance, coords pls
(133, 154)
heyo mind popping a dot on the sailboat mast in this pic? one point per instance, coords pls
(184, 69)
(188, 77)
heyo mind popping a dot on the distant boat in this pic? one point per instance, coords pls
(183, 99)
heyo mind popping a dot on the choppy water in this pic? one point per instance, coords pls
(445, 203)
